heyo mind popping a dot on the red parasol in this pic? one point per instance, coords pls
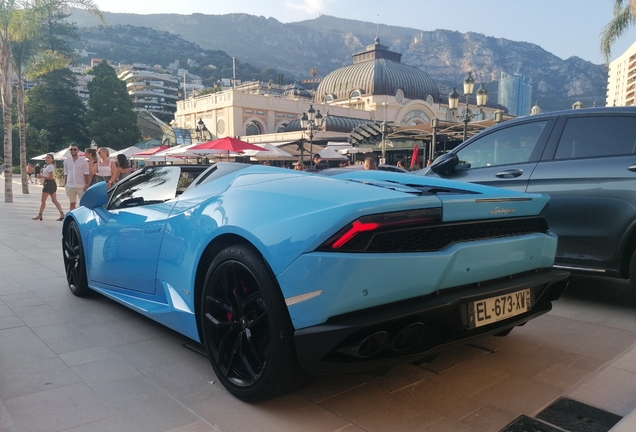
(230, 144)
(415, 159)
(151, 151)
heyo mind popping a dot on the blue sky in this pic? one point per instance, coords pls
(563, 27)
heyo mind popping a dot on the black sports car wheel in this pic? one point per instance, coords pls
(246, 327)
(74, 263)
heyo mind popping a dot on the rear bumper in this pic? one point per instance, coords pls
(440, 320)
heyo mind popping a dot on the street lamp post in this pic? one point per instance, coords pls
(434, 126)
(384, 129)
(453, 101)
(200, 132)
(311, 121)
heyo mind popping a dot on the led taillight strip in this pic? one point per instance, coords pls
(383, 221)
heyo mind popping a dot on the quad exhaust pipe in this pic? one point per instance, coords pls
(376, 342)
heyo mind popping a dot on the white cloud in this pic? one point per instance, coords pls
(312, 7)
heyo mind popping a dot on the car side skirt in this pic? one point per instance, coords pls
(165, 306)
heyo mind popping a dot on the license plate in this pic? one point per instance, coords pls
(493, 309)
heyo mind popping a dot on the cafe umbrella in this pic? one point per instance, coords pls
(229, 144)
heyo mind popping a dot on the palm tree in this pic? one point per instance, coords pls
(7, 12)
(624, 18)
(23, 46)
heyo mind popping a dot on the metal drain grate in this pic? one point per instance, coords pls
(528, 424)
(576, 416)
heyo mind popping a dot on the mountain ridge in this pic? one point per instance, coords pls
(328, 42)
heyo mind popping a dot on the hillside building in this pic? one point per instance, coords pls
(151, 89)
(621, 79)
(515, 93)
(83, 79)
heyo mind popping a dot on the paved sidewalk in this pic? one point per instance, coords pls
(75, 364)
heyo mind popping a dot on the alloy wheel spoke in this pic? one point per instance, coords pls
(259, 321)
(227, 307)
(249, 351)
(235, 289)
(229, 368)
(220, 324)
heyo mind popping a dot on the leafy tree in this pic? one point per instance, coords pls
(624, 18)
(111, 120)
(12, 30)
(57, 33)
(29, 60)
(54, 106)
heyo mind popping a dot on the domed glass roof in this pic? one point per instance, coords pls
(378, 71)
(296, 90)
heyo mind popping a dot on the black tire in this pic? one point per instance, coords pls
(247, 332)
(74, 262)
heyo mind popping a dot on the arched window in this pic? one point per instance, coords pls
(415, 117)
(253, 128)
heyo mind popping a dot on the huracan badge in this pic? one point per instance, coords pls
(498, 210)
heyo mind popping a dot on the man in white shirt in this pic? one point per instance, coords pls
(75, 175)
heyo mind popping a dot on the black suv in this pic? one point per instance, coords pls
(585, 160)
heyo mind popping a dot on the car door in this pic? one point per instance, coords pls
(589, 171)
(504, 157)
(125, 246)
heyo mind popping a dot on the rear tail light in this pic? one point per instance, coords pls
(357, 236)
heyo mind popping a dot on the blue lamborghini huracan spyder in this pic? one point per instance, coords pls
(283, 274)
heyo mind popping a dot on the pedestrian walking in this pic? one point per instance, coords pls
(106, 169)
(123, 167)
(37, 170)
(29, 173)
(75, 176)
(369, 164)
(319, 163)
(49, 189)
(91, 159)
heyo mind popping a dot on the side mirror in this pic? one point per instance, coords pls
(444, 163)
(96, 196)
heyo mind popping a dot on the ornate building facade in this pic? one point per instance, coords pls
(376, 88)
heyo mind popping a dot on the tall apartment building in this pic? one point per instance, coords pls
(515, 93)
(621, 79)
(82, 81)
(151, 89)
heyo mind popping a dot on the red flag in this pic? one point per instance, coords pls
(415, 159)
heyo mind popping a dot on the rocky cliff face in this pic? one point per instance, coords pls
(327, 43)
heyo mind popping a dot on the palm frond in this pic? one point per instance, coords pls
(622, 21)
(45, 62)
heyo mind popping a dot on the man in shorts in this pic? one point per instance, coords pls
(75, 175)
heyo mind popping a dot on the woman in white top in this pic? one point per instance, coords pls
(50, 188)
(106, 169)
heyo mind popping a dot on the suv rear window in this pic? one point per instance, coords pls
(586, 137)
